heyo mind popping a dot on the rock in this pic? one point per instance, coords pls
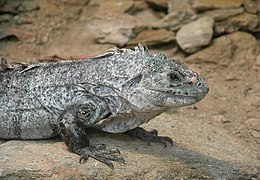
(5, 18)
(202, 5)
(250, 6)
(113, 28)
(244, 21)
(18, 34)
(220, 118)
(28, 6)
(222, 14)
(137, 7)
(225, 49)
(50, 159)
(257, 6)
(192, 36)
(175, 20)
(179, 5)
(257, 62)
(147, 17)
(255, 134)
(76, 2)
(253, 123)
(158, 4)
(9, 7)
(153, 37)
(111, 7)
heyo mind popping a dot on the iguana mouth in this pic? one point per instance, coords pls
(182, 93)
(196, 95)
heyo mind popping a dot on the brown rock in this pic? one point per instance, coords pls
(10, 7)
(147, 17)
(222, 14)
(255, 134)
(179, 5)
(175, 20)
(250, 6)
(109, 7)
(257, 62)
(253, 123)
(113, 28)
(228, 48)
(76, 2)
(153, 37)
(17, 33)
(257, 6)
(158, 4)
(201, 5)
(50, 159)
(244, 21)
(28, 6)
(196, 34)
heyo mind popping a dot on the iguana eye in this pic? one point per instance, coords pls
(174, 77)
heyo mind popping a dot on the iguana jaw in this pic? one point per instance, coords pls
(183, 94)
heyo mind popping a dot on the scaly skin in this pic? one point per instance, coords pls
(118, 90)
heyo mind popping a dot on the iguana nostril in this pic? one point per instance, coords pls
(199, 84)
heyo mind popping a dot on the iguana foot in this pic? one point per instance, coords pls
(149, 136)
(100, 153)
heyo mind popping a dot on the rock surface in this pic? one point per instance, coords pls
(153, 37)
(120, 28)
(179, 5)
(192, 36)
(244, 21)
(222, 14)
(202, 5)
(175, 20)
(50, 159)
(228, 50)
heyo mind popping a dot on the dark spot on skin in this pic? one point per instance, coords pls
(54, 128)
(17, 126)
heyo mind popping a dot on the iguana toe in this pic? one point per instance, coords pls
(100, 153)
(149, 136)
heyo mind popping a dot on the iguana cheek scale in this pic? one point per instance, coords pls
(118, 91)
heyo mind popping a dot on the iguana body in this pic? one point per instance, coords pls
(119, 90)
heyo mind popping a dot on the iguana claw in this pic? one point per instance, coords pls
(149, 136)
(100, 153)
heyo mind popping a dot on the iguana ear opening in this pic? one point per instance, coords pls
(133, 83)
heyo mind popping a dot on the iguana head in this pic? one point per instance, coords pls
(165, 82)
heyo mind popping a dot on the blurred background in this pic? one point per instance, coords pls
(218, 38)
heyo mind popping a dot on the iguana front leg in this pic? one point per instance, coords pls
(73, 132)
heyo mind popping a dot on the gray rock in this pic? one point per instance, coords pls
(228, 48)
(191, 37)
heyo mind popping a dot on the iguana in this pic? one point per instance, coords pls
(117, 91)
